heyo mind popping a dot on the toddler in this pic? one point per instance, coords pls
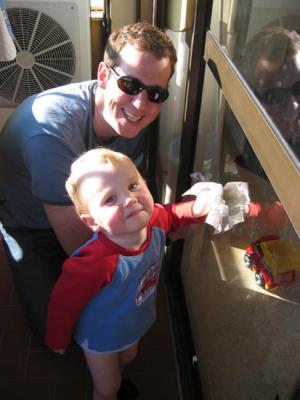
(106, 293)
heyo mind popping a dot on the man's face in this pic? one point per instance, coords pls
(278, 87)
(128, 114)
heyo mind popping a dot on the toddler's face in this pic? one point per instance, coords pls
(118, 200)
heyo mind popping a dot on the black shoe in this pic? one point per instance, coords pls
(127, 391)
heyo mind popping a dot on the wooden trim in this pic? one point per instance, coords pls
(259, 129)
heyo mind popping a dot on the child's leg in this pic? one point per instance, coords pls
(126, 356)
(105, 371)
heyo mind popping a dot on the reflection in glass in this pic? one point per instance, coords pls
(266, 215)
(264, 43)
(271, 65)
(247, 338)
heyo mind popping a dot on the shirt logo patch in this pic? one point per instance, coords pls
(147, 283)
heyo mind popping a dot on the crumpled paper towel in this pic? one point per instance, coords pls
(218, 210)
(236, 196)
(228, 203)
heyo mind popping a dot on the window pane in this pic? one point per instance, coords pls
(246, 334)
(262, 38)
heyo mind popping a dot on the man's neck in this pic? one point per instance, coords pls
(103, 132)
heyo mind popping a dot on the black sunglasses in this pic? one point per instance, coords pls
(278, 95)
(133, 86)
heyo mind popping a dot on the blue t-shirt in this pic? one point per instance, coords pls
(38, 144)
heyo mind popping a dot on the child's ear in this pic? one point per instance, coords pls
(90, 222)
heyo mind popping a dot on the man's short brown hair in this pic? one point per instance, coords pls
(142, 36)
(274, 44)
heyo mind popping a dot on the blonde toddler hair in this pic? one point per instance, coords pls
(87, 163)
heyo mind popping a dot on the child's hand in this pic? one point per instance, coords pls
(206, 193)
(60, 351)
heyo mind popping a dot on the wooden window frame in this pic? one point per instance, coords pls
(279, 164)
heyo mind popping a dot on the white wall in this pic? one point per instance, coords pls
(122, 13)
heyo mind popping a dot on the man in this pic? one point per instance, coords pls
(272, 67)
(49, 130)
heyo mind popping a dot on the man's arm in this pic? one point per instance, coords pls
(69, 229)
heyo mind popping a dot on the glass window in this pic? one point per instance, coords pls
(242, 286)
(262, 38)
(244, 308)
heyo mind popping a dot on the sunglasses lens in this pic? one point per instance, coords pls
(129, 85)
(274, 96)
(133, 86)
(296, 89)
(278, 95)
(157, 95)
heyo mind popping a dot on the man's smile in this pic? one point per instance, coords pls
(131, 117)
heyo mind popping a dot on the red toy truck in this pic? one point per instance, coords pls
(273, 260)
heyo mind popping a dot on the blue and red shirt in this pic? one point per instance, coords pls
(106, 294)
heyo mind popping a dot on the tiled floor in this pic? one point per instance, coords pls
(30, 371)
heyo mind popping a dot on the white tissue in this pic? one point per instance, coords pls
(227, 203)
(236, 196)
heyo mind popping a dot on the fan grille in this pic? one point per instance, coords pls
(45, 55)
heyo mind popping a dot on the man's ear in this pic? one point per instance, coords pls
(102, 75)
(90, 222)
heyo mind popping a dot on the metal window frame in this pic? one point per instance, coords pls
(188, 365)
